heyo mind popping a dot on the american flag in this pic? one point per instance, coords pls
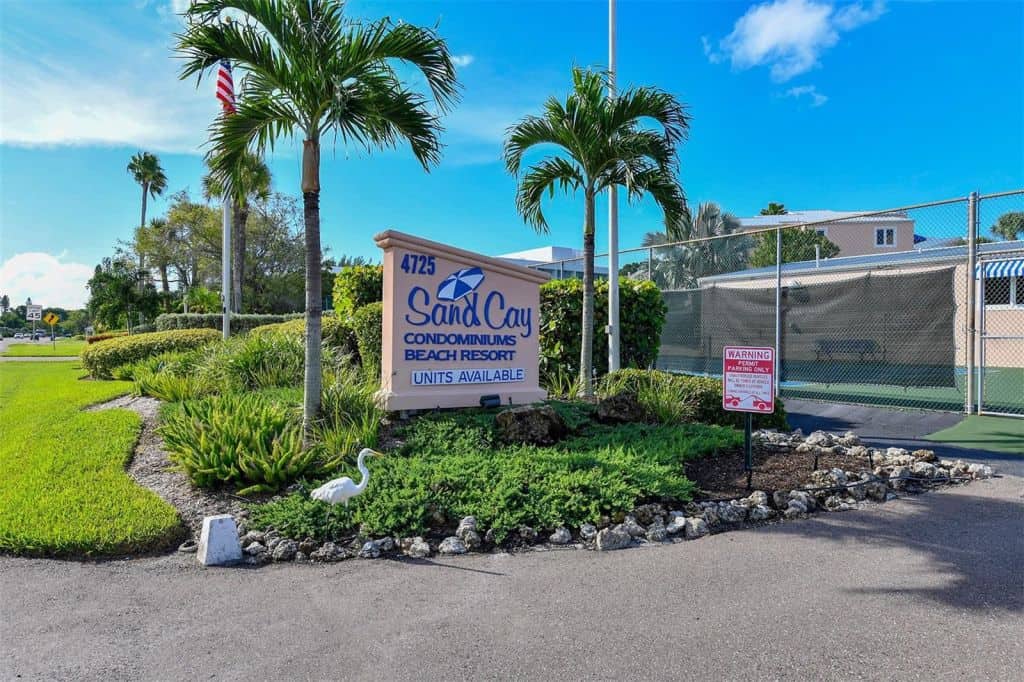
(226, 87)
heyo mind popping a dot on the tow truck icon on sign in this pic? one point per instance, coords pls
(736, 401)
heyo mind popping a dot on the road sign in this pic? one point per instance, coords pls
(51, 319)
(33, 312)
(748, 379)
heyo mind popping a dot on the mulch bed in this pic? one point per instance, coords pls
(724, 476)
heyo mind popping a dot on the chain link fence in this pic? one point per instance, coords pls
(888, 308)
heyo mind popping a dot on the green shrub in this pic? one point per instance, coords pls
(170, 387)
(336, 332)
(144, 328)
(703, 396)
(96, 338)
(665, 399)
(101, 358)
(357, 286)
(367, 326)
(246, 441)
(239, 322)
(350, 418)
(452, 465)
(255, 361)
(641, 317)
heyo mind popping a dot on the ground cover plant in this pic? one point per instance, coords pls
(64, 490)
(454, 464)
(64, 348)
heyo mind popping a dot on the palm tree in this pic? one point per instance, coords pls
(145, 169)
(311, 71)
(711, 252)
(774, 209)
(599, 143)
(158, 241)
(249, 181)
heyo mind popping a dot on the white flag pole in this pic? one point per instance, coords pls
(613, 221)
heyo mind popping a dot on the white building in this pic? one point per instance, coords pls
(559, 261)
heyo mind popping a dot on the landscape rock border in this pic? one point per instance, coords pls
(895, 471)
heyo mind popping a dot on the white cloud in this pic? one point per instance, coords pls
(47, 279)
(789, 36)
(817, 99)
(461, 60)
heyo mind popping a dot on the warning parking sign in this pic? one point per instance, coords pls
(748, 379)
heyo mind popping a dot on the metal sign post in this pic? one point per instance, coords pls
(52, 319)
(748, 385)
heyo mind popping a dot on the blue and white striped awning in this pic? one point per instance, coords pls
(1001, 268)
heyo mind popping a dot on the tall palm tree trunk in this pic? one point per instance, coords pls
(587, 343)
(311, 216)
(164, 284)
(240, 217)
(142, 223)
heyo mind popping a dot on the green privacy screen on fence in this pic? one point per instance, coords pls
(895, 331)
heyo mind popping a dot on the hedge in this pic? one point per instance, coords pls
(367, 324)
(101, 358)
(357, 286)
(641, 317)
(335, 332)
(705, 392)
(239, 322)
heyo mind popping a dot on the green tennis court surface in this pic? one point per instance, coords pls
(1002, 391)
(1001, 434)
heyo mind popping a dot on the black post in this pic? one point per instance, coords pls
(748, 449)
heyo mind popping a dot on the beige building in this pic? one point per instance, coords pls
(855, 236)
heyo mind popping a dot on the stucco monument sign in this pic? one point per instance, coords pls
(457, 327)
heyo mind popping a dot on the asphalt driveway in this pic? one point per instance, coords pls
(927, 587)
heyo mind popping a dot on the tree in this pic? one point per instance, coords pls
(1010, 226)
(774, 209)
(5, 303)
(156, 243)
(249, 180)
(797, 245)
(599, 144)
(311, 71)
(711, 252)
(145, 169)
(115, 294)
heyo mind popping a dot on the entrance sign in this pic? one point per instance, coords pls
(33, 312)
(457, 326)
(748, 379)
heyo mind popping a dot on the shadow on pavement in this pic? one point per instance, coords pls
(974, 547)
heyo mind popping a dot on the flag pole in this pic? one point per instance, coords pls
(613, 220)
(225, 261)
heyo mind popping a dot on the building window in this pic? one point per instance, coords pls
(1004, 292)
(885, 236)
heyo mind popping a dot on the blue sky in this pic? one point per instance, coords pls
(813, 103)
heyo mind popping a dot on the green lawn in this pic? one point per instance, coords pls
(64, 348)
(1002, 434)
(63, 486)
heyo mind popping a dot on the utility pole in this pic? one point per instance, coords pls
(613, 220)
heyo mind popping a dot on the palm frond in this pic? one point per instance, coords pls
(545, 177)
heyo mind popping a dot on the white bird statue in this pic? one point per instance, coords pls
(344, 488)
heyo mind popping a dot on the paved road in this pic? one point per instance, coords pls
(929, 587)
(885, 427)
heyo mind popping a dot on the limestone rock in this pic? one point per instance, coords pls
(615, 537)
(251, 537)
(561, 536)
(646, 514)
(980, 471)
(285, 550)
(656, 532)
(452, 545)
(924, 455)
(386, 544)
(760, 512)
(531, 424)
(528, 534)
(416, 547)
(330, 552)
(369, 550)
(620, 408)
(676, 525)
(588, 532)
(696, 527)
(631, 526)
